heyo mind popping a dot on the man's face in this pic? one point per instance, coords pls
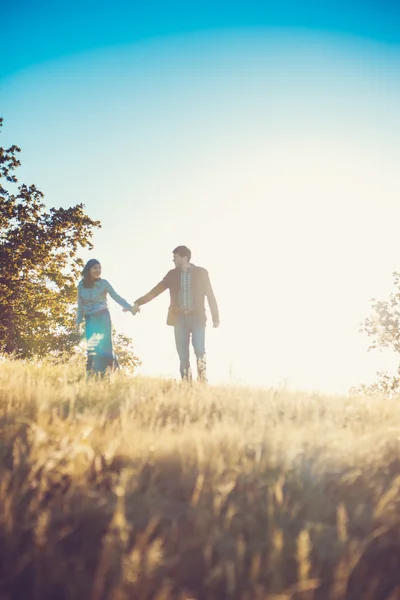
(178, 260)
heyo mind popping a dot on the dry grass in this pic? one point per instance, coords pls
(139, 489)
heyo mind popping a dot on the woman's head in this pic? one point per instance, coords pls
(91, 272)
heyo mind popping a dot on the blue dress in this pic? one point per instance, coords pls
(92, 306)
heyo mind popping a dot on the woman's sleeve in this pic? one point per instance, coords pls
(116, 297)
(79, 313)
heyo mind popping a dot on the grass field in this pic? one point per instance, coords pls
(135, 489)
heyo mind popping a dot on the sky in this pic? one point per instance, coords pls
(264, 136)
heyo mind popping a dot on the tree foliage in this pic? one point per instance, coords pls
(383, 327)
(39, 266)
(123, 347)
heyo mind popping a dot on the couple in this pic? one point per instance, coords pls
(188, 286)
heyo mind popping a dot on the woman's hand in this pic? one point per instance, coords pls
(134, 309)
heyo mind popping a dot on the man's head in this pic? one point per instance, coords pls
(182, 256)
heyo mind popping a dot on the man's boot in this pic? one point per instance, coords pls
(202, 369)
(187, 375)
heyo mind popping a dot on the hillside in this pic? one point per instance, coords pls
(147, 489)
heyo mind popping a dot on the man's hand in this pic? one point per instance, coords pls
(135, 308)
(216, 324)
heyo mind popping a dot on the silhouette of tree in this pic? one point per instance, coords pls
(383, 327)
(39, 267)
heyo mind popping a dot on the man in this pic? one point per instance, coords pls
(188, 286)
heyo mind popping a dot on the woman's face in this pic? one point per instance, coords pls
(95, 272)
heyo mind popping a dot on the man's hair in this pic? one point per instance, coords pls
(182, 251)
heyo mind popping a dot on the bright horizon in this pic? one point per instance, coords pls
(271, 152)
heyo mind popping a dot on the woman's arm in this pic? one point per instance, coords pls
(79, 312)
(121, 301)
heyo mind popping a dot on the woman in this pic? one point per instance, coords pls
(92, 306)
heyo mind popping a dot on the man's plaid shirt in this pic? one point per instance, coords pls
(185, 293)
(200, 288)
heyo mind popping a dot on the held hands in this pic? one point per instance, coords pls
(135, 309)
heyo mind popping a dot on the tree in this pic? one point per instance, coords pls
(383, 327)
(76, 357)
(124, 350)
(39, 266)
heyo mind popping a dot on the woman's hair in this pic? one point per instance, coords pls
(87, 281)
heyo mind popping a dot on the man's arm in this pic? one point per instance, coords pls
(212, 303)
(156, 291)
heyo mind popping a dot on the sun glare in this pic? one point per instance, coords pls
(275, 174)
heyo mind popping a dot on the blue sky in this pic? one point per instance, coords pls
(36, 31)
(264, 136)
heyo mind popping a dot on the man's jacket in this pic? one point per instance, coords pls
(200, 288)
